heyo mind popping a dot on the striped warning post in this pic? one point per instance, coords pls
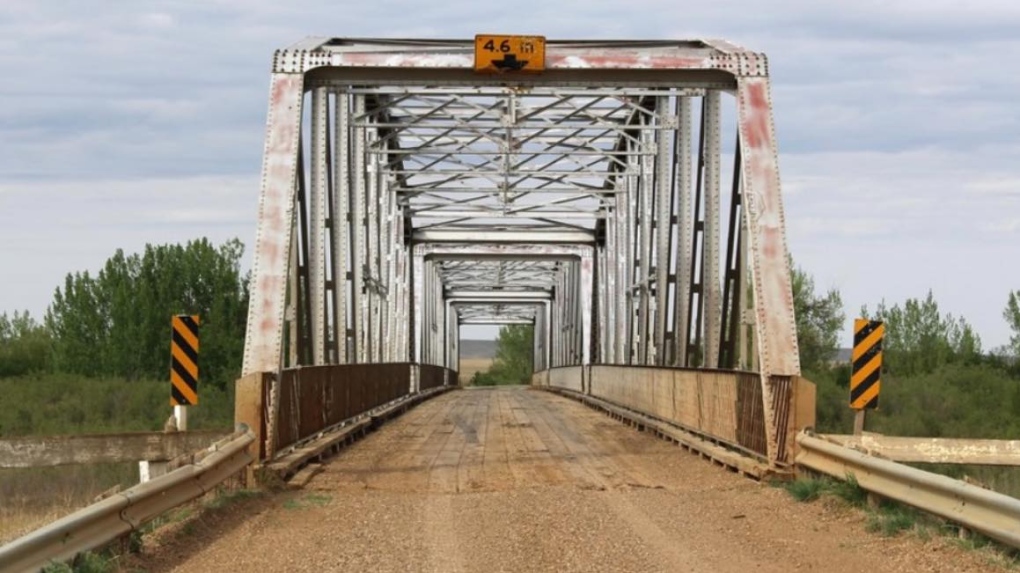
(865, 377)
(184, 361)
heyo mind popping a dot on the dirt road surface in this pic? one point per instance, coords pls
(513, 479)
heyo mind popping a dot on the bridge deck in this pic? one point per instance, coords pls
(512, 479)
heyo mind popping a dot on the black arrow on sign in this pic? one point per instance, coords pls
(509, 62)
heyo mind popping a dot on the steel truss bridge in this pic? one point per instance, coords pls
(626, 202)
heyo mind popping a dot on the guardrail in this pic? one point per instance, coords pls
(933, 450)
(121, 513)
(300, 403)
(723, 406)
(992, 514)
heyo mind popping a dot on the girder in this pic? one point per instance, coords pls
(404, 195)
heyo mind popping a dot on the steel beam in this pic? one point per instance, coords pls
(264, 334)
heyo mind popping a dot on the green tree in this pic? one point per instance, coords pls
(819, 320)
(1012, 316)
(117, 323)
(920, 339)
(514, 357)
(24, 345)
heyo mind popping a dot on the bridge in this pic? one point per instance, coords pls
(624, 200)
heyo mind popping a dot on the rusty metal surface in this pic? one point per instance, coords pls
(568, 377)
(432, 376)
(264, 335)
(750, 415)
(689, 55)
(314, 398)
(781, 389)
(934, 450)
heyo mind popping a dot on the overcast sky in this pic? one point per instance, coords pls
(126, 123)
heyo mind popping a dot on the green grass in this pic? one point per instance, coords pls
(309, 500)
(889, 518)
(226, 498)
(810, 489)
(85, 563)
(806, 490)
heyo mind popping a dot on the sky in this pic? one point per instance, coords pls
(126, 123)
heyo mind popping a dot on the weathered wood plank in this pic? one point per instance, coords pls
(40, 451)
(934, 450)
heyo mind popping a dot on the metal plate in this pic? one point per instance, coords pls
(500, 53)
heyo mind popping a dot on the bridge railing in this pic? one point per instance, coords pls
(723, 406)
(301, 403)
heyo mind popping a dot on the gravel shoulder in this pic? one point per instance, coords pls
(511, 479)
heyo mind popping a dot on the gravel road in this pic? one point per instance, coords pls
(513, 479)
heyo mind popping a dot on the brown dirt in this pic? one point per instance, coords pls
(509, 479)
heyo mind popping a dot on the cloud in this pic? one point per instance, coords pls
(125, 123)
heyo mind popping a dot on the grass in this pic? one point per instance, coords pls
(85, 563)
(185, 517)
(309, 500)
(889, 518)
(35, 496)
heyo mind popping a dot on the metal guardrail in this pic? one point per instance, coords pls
(126, 511)
(992, 514)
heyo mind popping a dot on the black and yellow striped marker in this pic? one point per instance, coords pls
(865, 377)
(184, 361)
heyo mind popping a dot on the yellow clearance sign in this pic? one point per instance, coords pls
(184, 361)
(497, 54)
(865, 376)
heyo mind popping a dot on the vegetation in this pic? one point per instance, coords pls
(889, 518)
(99, 362)
(514, 358)
(117, 323)
(819, 321)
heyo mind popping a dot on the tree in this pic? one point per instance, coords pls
(819, 320)
(118, 321)
(1012, 316)
(514, 357)
(24, 345)
(919, 339)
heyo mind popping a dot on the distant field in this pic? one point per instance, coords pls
(470, 348)
(468, 367)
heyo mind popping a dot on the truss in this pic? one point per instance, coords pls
(404, 195)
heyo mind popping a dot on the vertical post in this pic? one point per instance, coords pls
(417, 332)
(711, 258)
(685, 233)
(663, 225)
(775, 327)
(859, 422)
(358, 250)
(181, 415)
(645, 215)
(340, 231)
(622, 284)
(317, 225)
